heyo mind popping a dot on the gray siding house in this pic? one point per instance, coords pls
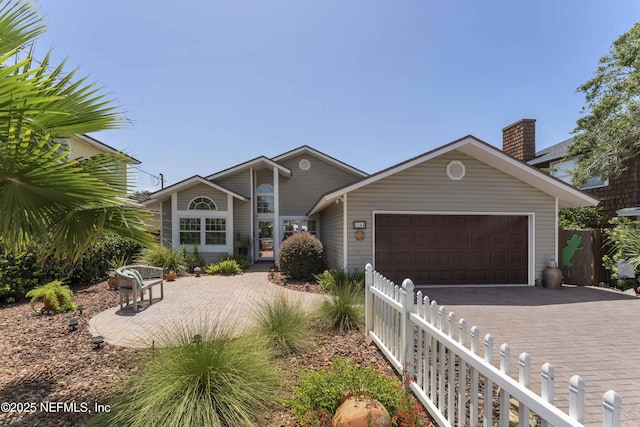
(463, 214)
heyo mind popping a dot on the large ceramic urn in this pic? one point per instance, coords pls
(552, 275)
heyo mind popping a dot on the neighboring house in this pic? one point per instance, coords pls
(614, 194)
(463, 214)
(84, 146)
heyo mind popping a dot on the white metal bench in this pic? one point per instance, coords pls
(129, 286)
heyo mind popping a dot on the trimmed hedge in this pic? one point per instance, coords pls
(302, 256)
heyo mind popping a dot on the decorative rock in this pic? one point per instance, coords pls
(361, 411)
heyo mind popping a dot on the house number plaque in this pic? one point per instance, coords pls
(359, 225)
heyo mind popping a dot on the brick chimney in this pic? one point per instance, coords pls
(519, 139)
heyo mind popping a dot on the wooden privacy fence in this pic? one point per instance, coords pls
(456, 385)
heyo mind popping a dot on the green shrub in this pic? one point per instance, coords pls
(581, 218)
(622, 242)
(96, 263)
(217, 380)
(302, 256)
(163, 256)
(345, 308)
(193, 258)
(23, 271)
(320, 391)
(283, 324)
(228, 267)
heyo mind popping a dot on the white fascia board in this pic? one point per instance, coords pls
(327, 158)
(569, 196)
(192, 181)
(251, 164)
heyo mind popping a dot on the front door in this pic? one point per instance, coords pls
(265, 239)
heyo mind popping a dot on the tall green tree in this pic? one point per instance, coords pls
(45, 198)
(609, 132)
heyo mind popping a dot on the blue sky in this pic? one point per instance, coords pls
(208, 84)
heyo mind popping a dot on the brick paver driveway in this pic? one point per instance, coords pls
(191, 300)
(591, 332)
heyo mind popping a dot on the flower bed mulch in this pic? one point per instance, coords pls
(43, 361)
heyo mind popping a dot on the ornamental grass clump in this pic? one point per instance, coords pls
(200, 376)
(345, 308)
(302, 256)
(284, 325)
(164, 256)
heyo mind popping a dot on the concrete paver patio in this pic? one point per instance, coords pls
(187, 300)
(591, 332)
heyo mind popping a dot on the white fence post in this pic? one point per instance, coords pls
(524, 370)
(462, 376)
(612, 408)
(547, 386)
(406, 333)
(368, 303)
(488, 384)
(505, 362)
(576, 398)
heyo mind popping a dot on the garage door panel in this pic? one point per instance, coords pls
(453, 249)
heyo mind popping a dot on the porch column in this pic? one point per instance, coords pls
(276, 215)
(230, 225)
(175, 222)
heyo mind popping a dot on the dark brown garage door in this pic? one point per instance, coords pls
(452, 249)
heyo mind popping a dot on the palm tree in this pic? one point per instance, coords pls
(46, 198)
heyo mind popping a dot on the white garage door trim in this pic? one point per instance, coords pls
(531, 238)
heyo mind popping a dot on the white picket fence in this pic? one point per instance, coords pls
(455, 384)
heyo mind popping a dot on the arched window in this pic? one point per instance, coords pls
(265, 189)
(202, 204)
(264, 199)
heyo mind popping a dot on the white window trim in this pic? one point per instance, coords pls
(215, 206)
(202, 214)
(301, 218)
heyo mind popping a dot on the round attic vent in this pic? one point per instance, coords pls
(455, 170)
(304, 164)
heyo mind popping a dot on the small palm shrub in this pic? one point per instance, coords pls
(243, 261)
(215, 380)
(320, 391)
(302, 256)
(228, 267)
(164, 256)
(345, 308)
(283, 324)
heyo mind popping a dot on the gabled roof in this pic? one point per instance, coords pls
(196, 179)
(261, 161)
(555, 152)
(104, 147)
(326, 157)
(567, 195)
